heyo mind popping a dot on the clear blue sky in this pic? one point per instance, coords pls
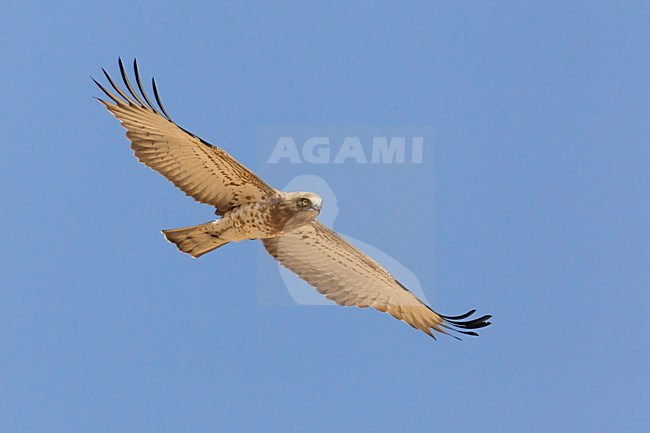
(541, 217)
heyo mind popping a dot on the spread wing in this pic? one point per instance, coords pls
(204, 172)
(348, 277)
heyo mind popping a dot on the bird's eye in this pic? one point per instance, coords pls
(305, 202)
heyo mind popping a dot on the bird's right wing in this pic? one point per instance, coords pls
(203, 171)
(348, 277)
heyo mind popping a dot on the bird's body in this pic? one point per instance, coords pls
(267, 218)
(250, 209)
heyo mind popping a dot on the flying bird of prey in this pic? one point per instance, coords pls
(250, 209)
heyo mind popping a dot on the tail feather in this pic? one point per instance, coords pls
(196, 240)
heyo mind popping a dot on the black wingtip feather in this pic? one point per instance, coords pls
(106, 92)
(155, 93)
(139, 83)
(462, 316)
(481, 322)
(458, 324)
(127, 83)
(142, 99)
(117, 89)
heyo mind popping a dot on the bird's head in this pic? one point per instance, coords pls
(299, 208)
(304, 202)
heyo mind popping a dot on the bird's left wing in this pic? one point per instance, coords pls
(203, 171)
(348, 277)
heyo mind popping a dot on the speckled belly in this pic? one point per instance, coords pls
(252, 221)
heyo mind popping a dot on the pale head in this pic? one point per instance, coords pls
(298, 208)
(306, 201)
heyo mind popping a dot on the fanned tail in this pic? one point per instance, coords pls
(196, 240)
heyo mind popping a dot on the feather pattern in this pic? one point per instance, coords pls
(348, 277)
(203, 171)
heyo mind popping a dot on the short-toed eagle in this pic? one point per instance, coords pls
(248, 209)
